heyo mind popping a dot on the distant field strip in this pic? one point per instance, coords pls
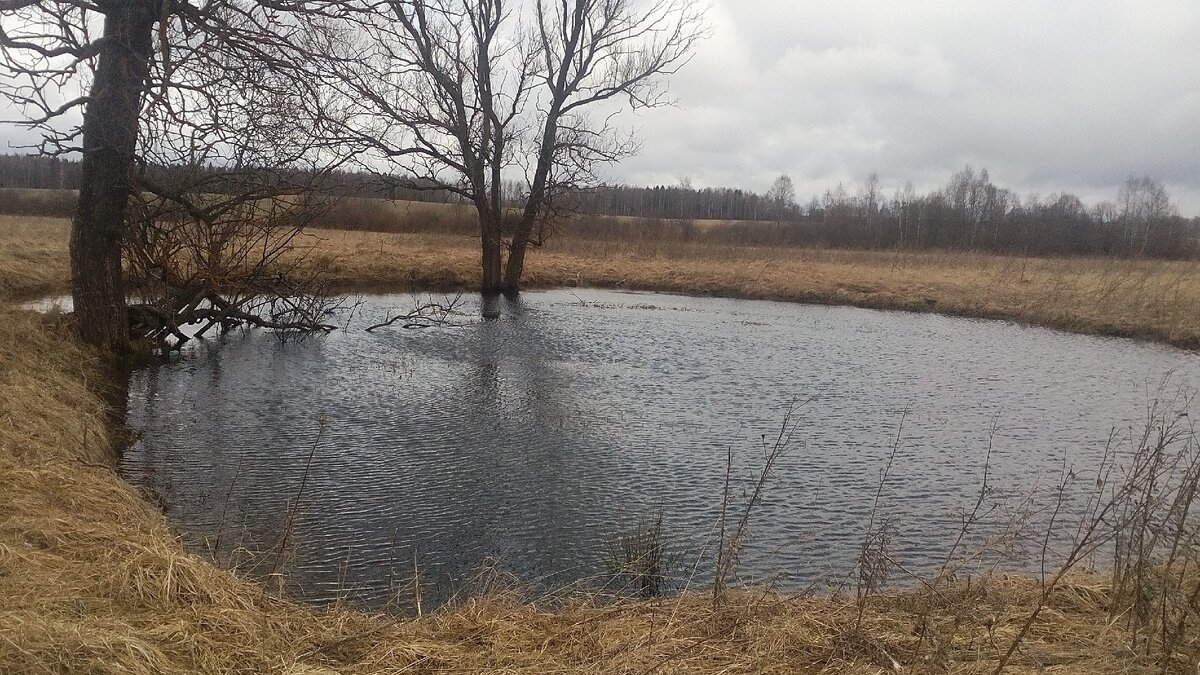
(1148, 299)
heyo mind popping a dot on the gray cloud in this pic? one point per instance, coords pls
(1071, 95)
(1065, 96)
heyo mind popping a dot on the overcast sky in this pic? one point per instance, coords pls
(1049, 96)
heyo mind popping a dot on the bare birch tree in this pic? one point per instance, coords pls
(463, 95)
(782, 196)
(1144, 207)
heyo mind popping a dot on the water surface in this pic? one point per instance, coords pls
(523, 443)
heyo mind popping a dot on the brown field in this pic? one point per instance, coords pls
(1147, 299)
(1153, 300)
(95, 580)
(33, 256)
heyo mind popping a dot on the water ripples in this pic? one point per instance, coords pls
(529, 439)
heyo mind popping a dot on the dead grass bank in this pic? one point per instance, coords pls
(1147, 299)
(33, 256)
(94, 580)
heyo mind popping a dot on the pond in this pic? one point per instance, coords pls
(524, 445)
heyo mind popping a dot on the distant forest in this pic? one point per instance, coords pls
(970, 212)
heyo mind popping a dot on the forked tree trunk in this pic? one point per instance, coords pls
(110, 131)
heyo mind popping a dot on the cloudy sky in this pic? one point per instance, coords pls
(1049, 96)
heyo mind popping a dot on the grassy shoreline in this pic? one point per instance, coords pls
(95, 580)
(1144, 299)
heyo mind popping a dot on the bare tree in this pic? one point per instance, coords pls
(233, 165)
(1144, 206)
(869, 200)
(48, 47)
(187, 73)
(464, 94)
(782, 195)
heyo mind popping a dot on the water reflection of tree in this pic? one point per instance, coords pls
(528, 489)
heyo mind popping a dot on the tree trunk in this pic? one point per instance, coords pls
(533, 204)
(490, 237)
(516, 262)
(110, 131)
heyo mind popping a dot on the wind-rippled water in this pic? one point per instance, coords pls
(525, 442)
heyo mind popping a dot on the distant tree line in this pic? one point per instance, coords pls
(680, 202)
(969, 212)
(40, 172)
(55, 173)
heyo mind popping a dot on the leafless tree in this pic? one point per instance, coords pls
(782, 195)
(464, 94)
(49, 50)
(1144, 207)
(233, 165)
(869, 200)
(157, 82)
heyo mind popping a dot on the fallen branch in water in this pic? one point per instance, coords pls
(300, 324)
(424, 315)
(289, 315)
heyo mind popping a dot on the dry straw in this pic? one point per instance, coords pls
(94, 580)
(1149, 299)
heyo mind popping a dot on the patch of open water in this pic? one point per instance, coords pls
(525, 442)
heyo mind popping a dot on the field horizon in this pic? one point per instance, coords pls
(1134, 298)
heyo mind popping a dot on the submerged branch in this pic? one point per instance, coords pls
(424, 315)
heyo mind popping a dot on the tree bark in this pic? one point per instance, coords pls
(533, 204)
(515, 266)
(490, 238)
(110, 132)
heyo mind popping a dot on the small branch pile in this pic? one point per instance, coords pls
(225, 250)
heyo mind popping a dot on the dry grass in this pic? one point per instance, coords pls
(1148, 299)
(33, 256)
(380, 215)
(94, 580)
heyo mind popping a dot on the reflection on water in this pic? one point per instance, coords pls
(523, 441)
